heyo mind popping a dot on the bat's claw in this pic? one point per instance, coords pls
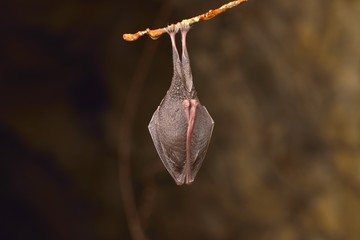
(172, 29)
(184, 26)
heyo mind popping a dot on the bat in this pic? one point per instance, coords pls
(181, 127)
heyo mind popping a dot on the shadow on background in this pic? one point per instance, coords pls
(281, 80)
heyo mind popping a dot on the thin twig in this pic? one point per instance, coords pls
(156, 33)
(126, 127)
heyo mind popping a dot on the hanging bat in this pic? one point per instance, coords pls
(181, 127)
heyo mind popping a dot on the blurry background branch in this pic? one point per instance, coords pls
(126, 131)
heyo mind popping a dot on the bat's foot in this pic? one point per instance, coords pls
(172, 29)
(184, 26)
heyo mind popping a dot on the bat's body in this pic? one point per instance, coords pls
(181, 127)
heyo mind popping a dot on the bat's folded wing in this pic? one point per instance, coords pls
(200, 140)
(170, 150)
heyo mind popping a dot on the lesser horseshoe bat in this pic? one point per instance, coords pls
(181, 127)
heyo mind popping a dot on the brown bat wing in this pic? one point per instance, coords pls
(200, 139)
(168, 128)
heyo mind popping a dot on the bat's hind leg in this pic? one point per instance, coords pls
(185, 61)
(172, 30)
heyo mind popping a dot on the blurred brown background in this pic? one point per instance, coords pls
(280, 78)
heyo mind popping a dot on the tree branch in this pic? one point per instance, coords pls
(156, 33)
